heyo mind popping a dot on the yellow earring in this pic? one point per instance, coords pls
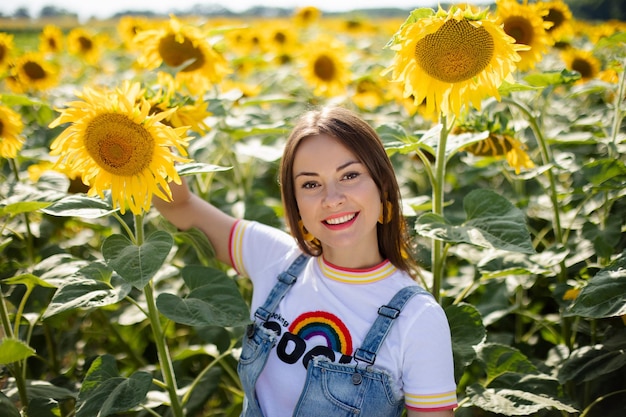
(305, 233)
(389, 216)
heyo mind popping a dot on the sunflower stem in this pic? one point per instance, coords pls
(438, 200)
(29, 234)
(17, 369)
(546, 157)
(165, 360)
(618, 115)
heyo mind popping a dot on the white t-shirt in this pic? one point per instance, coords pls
(334, 307)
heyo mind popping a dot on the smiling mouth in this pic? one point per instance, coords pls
(341, 220)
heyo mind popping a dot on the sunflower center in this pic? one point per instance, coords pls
(85, 43)
(119, 145)
(1, 128)
(3, 52)
(520, 29)
(34, 71)
(176, 54)
(583, 67)
(324, 68)
(456, 52)
(556, 17)
(280, 38)
(52, 43)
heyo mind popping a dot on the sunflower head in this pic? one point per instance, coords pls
(306, 16)
(501, 142)
(84, 45)
(524, 23)
(118, 146)
(184, 49)
(32, 72)
(559, 17)
(452, 59)
(583, 62)
(51, 39)
(6, 49)
(11, 127)
(325, 68)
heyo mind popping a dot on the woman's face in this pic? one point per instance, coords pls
(338, 201)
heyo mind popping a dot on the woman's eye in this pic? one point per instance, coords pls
(351, 175)
(309, 185)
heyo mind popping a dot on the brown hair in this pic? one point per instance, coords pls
(362, 140)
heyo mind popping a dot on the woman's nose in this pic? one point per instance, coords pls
(333, 197)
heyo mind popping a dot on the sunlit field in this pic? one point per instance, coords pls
(506, 129)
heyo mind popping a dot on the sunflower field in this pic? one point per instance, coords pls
(506, 128)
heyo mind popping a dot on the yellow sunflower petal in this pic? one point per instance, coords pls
(11, 126)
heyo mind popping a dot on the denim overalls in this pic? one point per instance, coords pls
(331, 389)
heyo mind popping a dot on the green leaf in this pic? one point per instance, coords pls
(80, 205)
(591, 362)
(501, 359)
(137, 264)
(105, 393)
(608, 173)
(14, 350)
(88, 288)
(604, 295)
(454, 143)
(507, 88)
(552, 78)
(492, 222)
(7, 409)
(214, 300)
(511, 402)
(198, 168)
(22, 207)
(467, 330)
(43, 407)
(29, 280)
(414, 16)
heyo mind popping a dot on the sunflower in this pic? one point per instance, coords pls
(559, 16)
(84, 45)
(583, 62)
(524, 23)
(32, 72)
(369, 92)
(129, 26)
(185, 49)
(306, 16)
(453, 58)
(6, 49)
(51, 39)
(117, 145)
(325, 68)
(188, 113)
(501, 141)
(10, 133)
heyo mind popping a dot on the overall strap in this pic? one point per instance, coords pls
(386, 315)
(285, 280)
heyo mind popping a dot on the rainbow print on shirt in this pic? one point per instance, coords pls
(326, 325)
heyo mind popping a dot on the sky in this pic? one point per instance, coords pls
(103, 9)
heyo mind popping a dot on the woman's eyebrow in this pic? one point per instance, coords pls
(339, 168)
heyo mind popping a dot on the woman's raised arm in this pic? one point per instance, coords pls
(187, 210)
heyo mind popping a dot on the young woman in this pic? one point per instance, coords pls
(341, 328)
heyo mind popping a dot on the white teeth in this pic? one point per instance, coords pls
(342, 219)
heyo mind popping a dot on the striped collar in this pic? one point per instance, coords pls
(356, 276)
